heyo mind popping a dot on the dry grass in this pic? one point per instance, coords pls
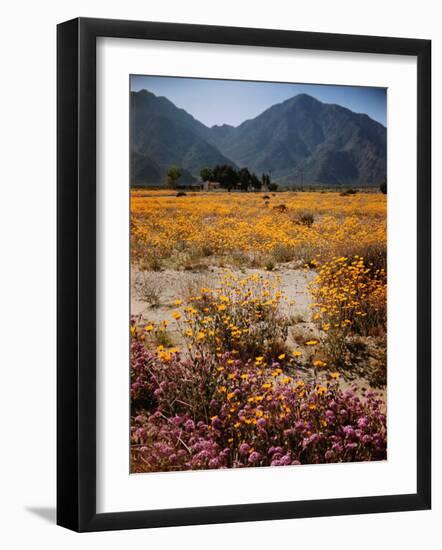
(148, 288)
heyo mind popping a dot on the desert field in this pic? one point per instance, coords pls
(258, 329)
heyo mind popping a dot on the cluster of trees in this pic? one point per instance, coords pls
(241, 179)
(228, 177)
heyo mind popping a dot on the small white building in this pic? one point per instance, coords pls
(211, 185)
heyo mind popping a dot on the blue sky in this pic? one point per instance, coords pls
(233, 101)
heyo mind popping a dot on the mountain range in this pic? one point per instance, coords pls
(299, 141)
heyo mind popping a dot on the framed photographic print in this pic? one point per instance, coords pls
(243, 274)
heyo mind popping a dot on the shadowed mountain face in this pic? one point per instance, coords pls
(299, 141)
(163, 135)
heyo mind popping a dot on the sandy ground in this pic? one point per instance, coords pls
(168, 286)
(164, 287)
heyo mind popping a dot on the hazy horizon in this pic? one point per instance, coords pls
(235, 101)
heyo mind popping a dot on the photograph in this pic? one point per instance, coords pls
(226, 240)
(258, 274)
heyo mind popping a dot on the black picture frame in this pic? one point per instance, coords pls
(76, 274)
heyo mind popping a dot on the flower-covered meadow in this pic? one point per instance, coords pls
(228, 370)
(253, 229)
